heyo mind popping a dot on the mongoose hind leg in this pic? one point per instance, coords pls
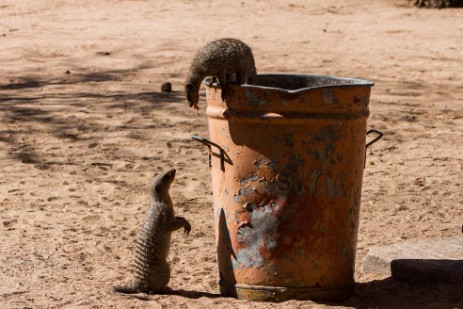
(158, 277)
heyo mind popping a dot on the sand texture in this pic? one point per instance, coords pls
(84, 126)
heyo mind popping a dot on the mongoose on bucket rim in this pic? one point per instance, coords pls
(151, 271)
(228, 60)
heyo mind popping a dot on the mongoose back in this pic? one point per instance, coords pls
(226, 59)
(150, 270)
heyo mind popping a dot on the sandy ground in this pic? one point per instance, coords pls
(84, 127)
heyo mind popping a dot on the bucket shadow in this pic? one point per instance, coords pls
(427, 270)
(224, 258)
(380, 294)
(389, 293)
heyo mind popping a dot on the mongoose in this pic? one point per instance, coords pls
(150, 270)
(224, 59)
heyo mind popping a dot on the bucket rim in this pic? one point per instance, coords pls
(354, 82)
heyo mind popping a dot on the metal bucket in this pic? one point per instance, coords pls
(287, 157)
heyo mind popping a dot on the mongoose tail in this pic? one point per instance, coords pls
(227, 60)
(133, 287)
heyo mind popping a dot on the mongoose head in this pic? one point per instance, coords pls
(192, 95)
(161, 183)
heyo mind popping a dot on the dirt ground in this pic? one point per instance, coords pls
(84, 127)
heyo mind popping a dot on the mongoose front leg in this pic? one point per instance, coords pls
(181, 222)
(246, 78)
(223, 83)
(241, 77)
(250, 80)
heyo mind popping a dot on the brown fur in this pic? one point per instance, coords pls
(151, 270)
(225, 59)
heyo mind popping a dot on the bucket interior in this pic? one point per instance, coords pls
(299, 82)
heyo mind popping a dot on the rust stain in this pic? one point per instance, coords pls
(289, 206)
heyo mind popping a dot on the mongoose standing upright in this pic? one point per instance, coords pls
(151, 270)
(223, 59)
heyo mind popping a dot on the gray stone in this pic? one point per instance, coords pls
(439, 260)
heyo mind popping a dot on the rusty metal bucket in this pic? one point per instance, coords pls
(287, 157)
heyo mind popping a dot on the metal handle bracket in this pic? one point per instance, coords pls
(377, 138)
(374, 140)
(223, 156)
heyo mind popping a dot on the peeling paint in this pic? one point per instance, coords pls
(249, 207)
(259, 233)
(260, 162)
(246, 180)
(246, 191)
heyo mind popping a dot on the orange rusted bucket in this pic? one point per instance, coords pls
(287, 158)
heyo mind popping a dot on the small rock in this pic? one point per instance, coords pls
(9, 223)
(103, 53)
(166, 87)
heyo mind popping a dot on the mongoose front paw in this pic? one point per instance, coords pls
(187, 229)
(224, 93)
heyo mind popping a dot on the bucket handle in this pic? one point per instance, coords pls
(374, 140)
(223, 156)
(377, 138)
